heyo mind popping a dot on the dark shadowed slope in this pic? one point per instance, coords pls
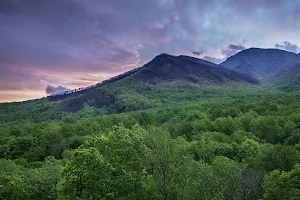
(166, 67)
(288, 80)
(262, 63)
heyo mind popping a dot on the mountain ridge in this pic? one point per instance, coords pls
(161, 69)
(166, 67)
(262, 61)
(267, 65)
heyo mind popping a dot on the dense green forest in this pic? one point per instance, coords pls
(169, 140)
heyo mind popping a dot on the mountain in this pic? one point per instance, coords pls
(262, 63)
(167, 67)
(288, 80)
(163, 68)
(272, 66)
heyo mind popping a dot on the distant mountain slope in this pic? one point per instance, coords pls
(288, 80)
(166, 67)
(262, 63)
(272, 66)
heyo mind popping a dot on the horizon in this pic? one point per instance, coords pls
(51, 46)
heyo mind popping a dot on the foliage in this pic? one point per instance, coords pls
(18, 182)
(283, 185)
(170, 140)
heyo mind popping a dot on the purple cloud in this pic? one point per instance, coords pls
(214, 59)
(197, 53)
(236, 47)
(232, 50)
(288, 46)
(53, 90)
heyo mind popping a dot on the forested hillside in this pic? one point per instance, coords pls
(158, 138)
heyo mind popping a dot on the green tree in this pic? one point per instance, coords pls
(283, 185)
(43, 181)
(249, 151)
(267, 128)
(167, 162)
(281, 157)
(226, 125)
(109, 166)
(12, 183)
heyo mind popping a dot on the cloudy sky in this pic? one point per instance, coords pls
(49, 45)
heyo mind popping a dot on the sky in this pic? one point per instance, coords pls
(48, 46)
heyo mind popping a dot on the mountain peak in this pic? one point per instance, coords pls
(167, 67)
(163, 56)
(264, 64)
(268, 51)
